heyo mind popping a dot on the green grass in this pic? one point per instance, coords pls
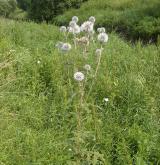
(133, 19)
(37, 101)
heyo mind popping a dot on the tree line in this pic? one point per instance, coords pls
(39, 10)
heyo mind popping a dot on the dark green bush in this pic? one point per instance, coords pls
(46, 10)
(7, 7)
(24, 4)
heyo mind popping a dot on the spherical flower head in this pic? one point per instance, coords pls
(87, 27)
(87, 67)
(70, 29)
(76, 29)
(63, 29)
(98, 51)
(92, 19)
(103, 37)
(101, 30)
(72, 24)
(65, 47)
(75, 19)
(79, 76)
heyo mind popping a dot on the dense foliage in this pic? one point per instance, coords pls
(46, 10)
(24, 4)
(133, 18)
(7, 7)
(37, 100)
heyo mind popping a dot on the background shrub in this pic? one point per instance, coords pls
(46, 10)
(24, 4)
(7, 7)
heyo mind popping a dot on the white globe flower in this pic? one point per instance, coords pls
(79, 76)
(87, 67)
(99, 51)
(63, 29)
(72, 24)
(75, 19)
(65, 47)
(87, 27)
(101, 30)
(92, 19)
(70, 29)
(76, 29)
(103, 37)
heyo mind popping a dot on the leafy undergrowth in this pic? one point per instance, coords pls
(37, 100)
(134, 19)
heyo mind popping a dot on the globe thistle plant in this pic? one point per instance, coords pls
(75, 19)
(63, 29)
(82, 35)
(87, 27)
(103, 37)
(79, 76)
(101, 30)
(87, 67)
(65, 47)
(92, 19)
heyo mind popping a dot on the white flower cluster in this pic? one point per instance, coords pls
(64, 47)
(87, 29)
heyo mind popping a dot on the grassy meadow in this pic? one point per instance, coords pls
(38, 100)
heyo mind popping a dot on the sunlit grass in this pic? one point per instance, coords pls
(37, 99)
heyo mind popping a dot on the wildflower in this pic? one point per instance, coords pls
(65, 47)
(75, 19)
(92, 19)
(63, 29)
(99, 51)
(87, 27)
(70, 29)
(106, 100)
(38, 62)
(103, 37)
(101, 30)
(72, 24)
(79, 76)
(76, 30)
(87, 67)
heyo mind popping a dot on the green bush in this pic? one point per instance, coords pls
(24, 4)
(46, 10)
(7, 7)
